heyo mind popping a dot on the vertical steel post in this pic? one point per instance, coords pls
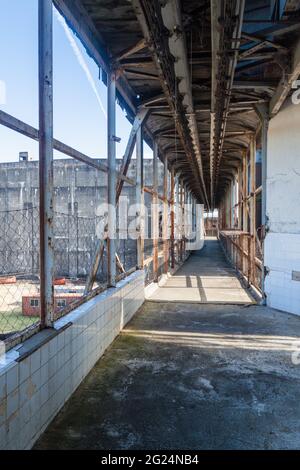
(253, 206)
(177, 219)
(155, 218)
(165, 230)
(264, 221)
(245, 208)
(111, 155)
(263, 113)
(181, 219)
(140, 198)
(172, 218)
(240, 203)
(46, 161)
(185, 220)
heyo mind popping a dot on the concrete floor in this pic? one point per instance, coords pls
(187, 376)
(205, 277)
(191, 375)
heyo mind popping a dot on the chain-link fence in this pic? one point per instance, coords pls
(76, 240)
(19, 267)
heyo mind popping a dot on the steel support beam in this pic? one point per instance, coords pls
(155, 209)
(46, 162)
(171, 15)
(25, 129)
(149, 16)
(131, 50)
(172, 236)
(111, 155)
(286, 83)
(165, 228)
(252, 211)
(139, 120)
(263, 113)
(215, 6)
(96, 263)
(140, 198)
(226, 72)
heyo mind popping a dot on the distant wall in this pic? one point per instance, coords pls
(282, 244)
(79, 190)
(77, 187)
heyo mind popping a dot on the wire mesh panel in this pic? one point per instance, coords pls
(19, 269)
(79, 228)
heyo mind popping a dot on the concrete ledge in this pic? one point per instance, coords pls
(38, 376)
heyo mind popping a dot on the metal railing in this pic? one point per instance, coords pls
(238, 247)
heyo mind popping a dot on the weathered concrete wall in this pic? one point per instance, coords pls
(76, 184)
(79, 191)
(282, 244)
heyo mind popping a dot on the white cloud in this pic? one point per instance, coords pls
(81, 60)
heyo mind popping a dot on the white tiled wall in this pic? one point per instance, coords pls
(282, 244)
(33, 390)
(282, 257)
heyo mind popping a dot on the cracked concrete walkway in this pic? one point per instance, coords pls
(206, 277)
(190, 376)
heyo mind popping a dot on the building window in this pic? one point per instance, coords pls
(34, 303)
(61, 303)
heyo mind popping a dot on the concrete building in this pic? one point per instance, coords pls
(204, 337)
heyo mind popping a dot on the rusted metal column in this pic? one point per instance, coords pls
(253, 206)
(263, 112)
(186, 218)
(172, 218)
(46, 162)
(165, 229)
(140, 198)
(181, 202)
(264, 153)
(111, 155)
(231, 204)
(245, 209)
(240, 197)
(177, 219)
(155, 209)
(264, 218)
(248, 238)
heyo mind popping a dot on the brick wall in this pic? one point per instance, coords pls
(31, 304)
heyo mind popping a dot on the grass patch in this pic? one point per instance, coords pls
(15, 321)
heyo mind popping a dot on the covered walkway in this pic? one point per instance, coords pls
(210, 94)
(205, 277)
(186, 375)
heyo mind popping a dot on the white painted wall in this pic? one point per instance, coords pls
(282, 244)
(33, 388)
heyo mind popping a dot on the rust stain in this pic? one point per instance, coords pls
(31, 389)
(3, 407)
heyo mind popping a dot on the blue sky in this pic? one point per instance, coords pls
(78, 118)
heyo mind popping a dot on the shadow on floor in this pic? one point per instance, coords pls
(185, 376)
(206, 277)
